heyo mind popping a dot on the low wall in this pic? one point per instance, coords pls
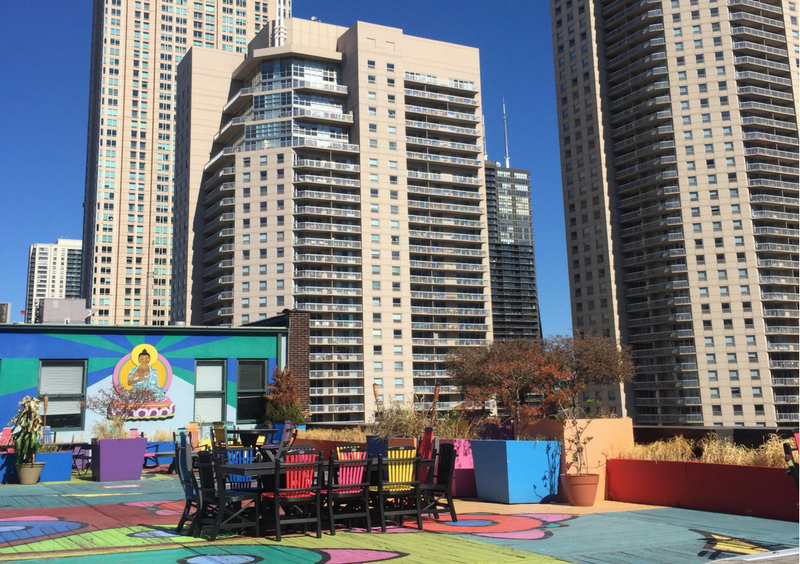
(756, 491)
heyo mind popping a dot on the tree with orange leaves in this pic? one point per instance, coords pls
(508, 372)
(555, 369)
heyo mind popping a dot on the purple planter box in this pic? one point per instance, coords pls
(115, 460)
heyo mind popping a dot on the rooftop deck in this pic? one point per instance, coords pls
(94, 523)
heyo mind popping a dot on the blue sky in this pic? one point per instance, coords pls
(45, 94)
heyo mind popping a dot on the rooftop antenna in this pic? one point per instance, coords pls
(505, 134)
(279, 31)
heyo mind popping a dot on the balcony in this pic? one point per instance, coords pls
(447, 251)
(664, 384)
(671, 418)
(222, 265)
(443, 144)
(443, 128)
(450, 83)
(430, 157)
(331, 324)
(328, 259)
(326, 291)
(335, 308)
(456, 311)
(325, 196)
(326, 165)
(327, 180)
(447, 98)
(352, 391)
(346, 374)
(335, 357)
(444, 114)
(330, 227)
(337, 408)
(331, 212)
(445, 192)
(326, 275)
(224, 314)
(439, 206)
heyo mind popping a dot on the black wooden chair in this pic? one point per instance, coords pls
(296, 494)
(437, 489)
(183, 461)
(347, 488)
(398, 491)
(222, 508)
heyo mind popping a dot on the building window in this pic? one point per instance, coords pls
(209, 390)
(64, 382)
(251, 382)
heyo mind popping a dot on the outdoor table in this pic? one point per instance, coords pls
(249, 468)
(249, 437)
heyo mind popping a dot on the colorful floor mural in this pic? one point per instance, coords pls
(93, 523)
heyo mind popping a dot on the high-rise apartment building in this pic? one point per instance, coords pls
(679, 146)
(127, 229)
(515, 303)
(5, 312)
(54, 271)
(337, 171)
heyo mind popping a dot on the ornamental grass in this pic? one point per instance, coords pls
(712, 449)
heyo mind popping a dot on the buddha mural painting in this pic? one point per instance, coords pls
(144, 368)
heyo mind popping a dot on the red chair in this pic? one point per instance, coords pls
(425, 452)
(297, 490)
(7, 437)
(347, 491)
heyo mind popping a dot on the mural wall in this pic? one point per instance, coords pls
(77, 361)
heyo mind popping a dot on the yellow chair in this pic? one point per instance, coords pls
(398, 491)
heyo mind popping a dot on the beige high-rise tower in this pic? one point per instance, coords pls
(679, 145)
(54, 271)
(127, 230)
(337, 171)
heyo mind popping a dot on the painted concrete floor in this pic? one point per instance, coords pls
(103, 523)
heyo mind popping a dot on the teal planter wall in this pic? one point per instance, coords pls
(516, 471)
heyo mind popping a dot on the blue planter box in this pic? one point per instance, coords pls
(57, 467)
(8, 469)
(516, 471)
(155, 448)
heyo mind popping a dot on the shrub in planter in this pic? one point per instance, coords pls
(27, 440)
(116, 455)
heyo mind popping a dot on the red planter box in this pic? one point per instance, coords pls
(756, 491)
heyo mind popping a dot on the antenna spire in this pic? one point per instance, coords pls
(505, 134)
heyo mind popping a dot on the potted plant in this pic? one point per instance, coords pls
(115, 454)
(283, 402)
(580, 487)
(27, 440)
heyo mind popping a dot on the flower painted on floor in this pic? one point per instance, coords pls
(13, 530)
(526, 526)
(296, 555)
(167, 508)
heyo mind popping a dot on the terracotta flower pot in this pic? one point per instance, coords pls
(581, 489)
